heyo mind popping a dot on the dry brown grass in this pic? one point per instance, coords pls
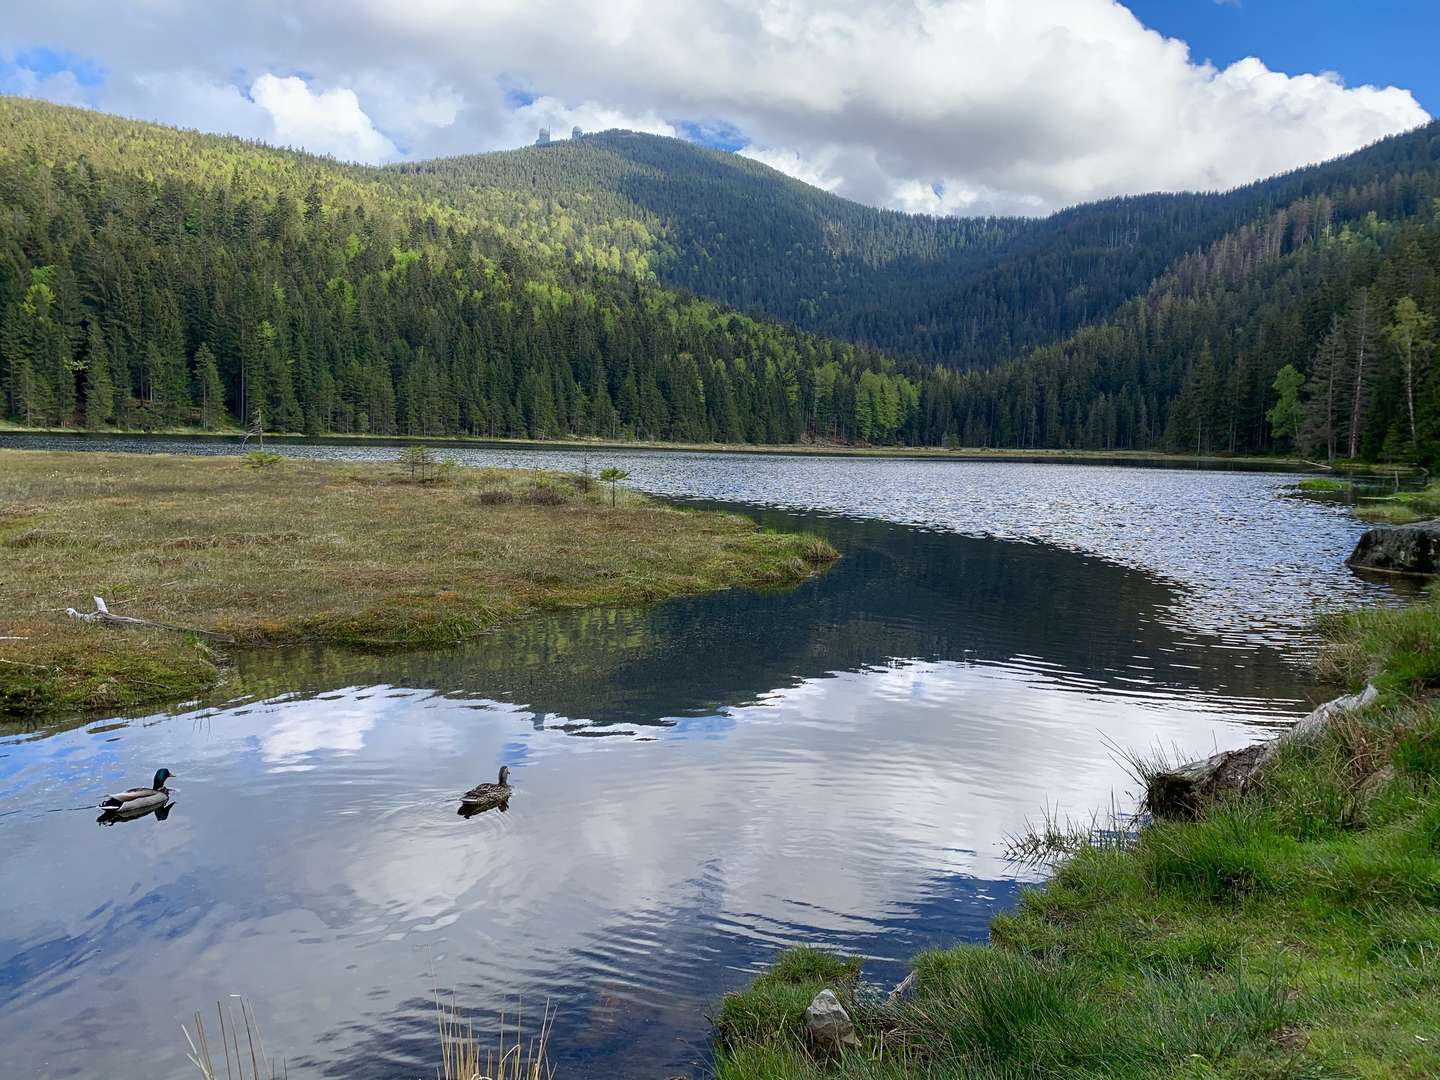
(318, 551)
(466, 1056)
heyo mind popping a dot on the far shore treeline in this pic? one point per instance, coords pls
(151, 278)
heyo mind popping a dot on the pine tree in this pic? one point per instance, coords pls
(99, 387)
(1320, 412)
(1362, 326)
(208, 394)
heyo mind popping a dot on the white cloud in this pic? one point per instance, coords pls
(330, 122)
(814, 171)
(998, 106)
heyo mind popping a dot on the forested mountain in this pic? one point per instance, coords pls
(963, 292)
(1292, 333)
(152, 277)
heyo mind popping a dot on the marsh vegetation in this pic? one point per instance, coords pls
(370, 555)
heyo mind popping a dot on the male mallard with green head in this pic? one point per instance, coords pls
(137, 799)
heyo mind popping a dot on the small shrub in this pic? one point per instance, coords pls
(262, 459)
(583, 480)
(423, 467)
(545, 495)
(496, 497)
(613, 476)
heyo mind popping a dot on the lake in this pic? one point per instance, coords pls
(698, 785)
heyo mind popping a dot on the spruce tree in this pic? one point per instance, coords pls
(99, 386)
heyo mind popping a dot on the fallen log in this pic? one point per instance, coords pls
(103, 614)
(1184, 791)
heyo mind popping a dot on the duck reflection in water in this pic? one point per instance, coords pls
(485, 797)
(110, 817)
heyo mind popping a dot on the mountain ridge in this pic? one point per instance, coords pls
(584, 288)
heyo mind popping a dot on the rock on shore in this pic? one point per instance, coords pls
(1399, 549)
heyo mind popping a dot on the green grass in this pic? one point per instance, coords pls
(1401, 508)
(1294, 932)
(1321, 484)
(311, 551)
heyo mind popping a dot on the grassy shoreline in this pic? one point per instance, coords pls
(1372, 503)
(937, 453)
(1292, 931)
(353, 554)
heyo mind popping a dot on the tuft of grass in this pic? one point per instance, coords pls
(774, 1005)
(315, 551)
(466, 1056)
(241, 1047)
(1321, 485)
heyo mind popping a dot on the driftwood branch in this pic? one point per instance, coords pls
(903, 987)
(1182, 792)
(103, 614)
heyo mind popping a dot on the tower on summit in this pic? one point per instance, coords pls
(544, 139)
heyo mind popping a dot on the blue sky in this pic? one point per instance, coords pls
(941, 106)
(1385, 42)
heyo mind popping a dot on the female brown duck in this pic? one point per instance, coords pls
(487, 796)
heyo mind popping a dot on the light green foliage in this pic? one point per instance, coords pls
(1284, 415)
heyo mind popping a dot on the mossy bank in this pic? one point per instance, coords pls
(272, 552)
(1293, 931)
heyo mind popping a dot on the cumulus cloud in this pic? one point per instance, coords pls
(949, 106)
(330, 122)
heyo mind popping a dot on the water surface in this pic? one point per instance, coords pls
(698, 784)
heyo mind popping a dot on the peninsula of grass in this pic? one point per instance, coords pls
(1293, 931)
(271, 552)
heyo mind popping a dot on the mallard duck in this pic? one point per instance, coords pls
(486, 796)
(140, 799)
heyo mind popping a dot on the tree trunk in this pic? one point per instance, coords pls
(1360, 357)
(1183, 792)
(1410, 389)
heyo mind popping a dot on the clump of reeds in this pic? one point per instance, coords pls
(463, 1054)
(237, 1051)
(466, 1056)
